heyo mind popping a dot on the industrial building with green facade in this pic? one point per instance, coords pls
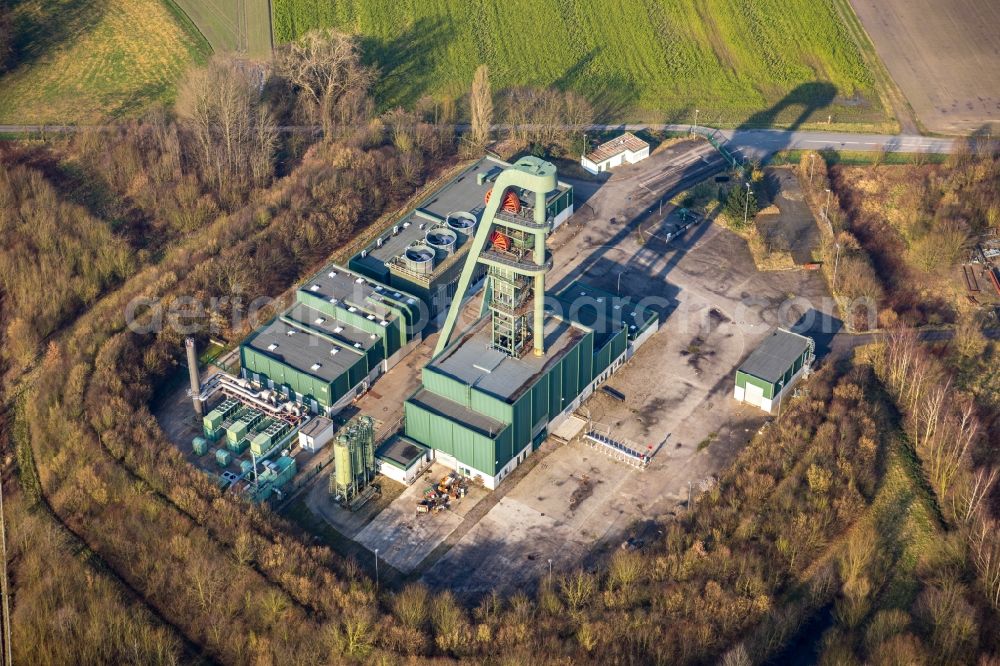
(491, 392)
(424, 252)
(348, 325)
(483, 411)
(343, 331)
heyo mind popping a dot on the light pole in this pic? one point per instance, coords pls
(746, 206)
(696, 112)
(620, 282)
(376, 568)
(826, 208)
(812, 160)
(550, 567)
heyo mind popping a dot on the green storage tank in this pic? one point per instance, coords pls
(223, 457)
(199, 445)
(343, 465)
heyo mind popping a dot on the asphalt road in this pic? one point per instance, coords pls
(751, 143)
(758, 143)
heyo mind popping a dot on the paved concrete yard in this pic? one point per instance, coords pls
(402, 536)
(349, 523)
(384, 401)
(556, 512)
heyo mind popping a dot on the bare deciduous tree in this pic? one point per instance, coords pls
(481, 107)
(325, 69)
(986, 550)
(971, 497)
(222, 107)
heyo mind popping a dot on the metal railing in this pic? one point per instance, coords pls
(619, 450)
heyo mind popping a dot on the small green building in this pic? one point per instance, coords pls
(777, 363)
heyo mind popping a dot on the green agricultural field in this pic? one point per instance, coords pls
(763, 62)
(233, 25)
(81, 61)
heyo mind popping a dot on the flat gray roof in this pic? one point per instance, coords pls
(600, 310)
(302, 349)
(460, 194)
(473, 361)
(345, 288)
(315, 425)
(440, 405)
(402, 451)
(775, 355)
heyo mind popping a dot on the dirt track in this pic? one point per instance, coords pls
(943, 54)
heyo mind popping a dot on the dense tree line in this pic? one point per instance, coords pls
(892, 243)
(947, 433)
(56, 259)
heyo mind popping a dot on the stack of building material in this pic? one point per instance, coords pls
(437, 498)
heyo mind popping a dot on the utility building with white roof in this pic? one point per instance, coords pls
(627, 148)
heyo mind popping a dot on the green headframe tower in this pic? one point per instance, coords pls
(490, 393)
(510, 242)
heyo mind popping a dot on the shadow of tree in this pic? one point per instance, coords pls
(808, 97)
(611, 96)
(406, 62)
(40, 27)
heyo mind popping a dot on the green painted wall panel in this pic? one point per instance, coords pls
(445, 386)
(267, 368)
(490, 406)
(452, 438)
(742, 379)
(504, 448)
(587, 373)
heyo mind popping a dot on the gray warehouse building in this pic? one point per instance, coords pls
(343, 331)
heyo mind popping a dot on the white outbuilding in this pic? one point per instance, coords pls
(610, 154)
(316, 433)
